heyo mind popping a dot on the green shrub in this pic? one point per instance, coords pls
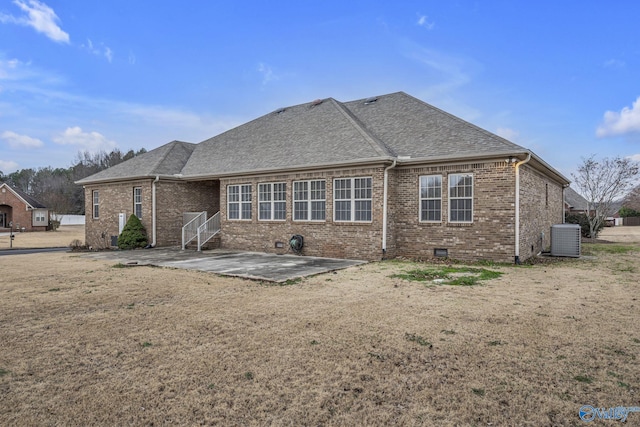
(133, 235)
(626, 212)
(583, 221)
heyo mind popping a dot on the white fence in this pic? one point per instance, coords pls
(69, 219)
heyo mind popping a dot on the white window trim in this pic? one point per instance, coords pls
(420, 199)
(272, 202)
(309, 201)
(241, 203)
(352, 200)
(136, 203)
(95, 207)
(449, 180)
(37, 214)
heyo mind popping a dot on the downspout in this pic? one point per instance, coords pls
(384, 207)
(517, 252)
(153, 211)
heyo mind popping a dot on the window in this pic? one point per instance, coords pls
(546, 195)
(460, 198)
(137, 202)
(309, 200)
(239, 201)
(431, 198)
(352, 199)
(272, 201)
(96, 204)
(40, 217)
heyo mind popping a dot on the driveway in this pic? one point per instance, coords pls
(250, 265)
(30, 251)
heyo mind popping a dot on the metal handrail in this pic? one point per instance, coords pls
(190, 229)
(210, 228)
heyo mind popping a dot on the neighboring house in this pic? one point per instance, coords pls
(574, 203)
(20, 211)
(383, 177)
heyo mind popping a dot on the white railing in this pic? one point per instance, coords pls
(190, 229)
(210, 228)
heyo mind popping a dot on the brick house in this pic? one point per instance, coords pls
(21, 211)
(383, 177)
(574, 203)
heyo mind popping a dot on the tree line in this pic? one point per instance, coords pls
(56, 188)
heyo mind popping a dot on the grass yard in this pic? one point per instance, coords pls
(85, 342)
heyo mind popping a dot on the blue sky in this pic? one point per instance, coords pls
(557, 77)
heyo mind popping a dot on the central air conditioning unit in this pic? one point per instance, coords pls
(565, 240)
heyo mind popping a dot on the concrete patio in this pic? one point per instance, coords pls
(250, 265)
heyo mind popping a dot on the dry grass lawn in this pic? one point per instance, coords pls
(85, 342)
(44, 239)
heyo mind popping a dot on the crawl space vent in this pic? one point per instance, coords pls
(565, 240)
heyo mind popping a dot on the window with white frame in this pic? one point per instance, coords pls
(272, 201)
(460, 198)
(352, 199)
(96, 204)
(40, 217)
(239, 201)
(431, 198)
(137, 202)
(309, 200)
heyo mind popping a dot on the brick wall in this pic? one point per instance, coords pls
(491, 234)
(115, 198)
(173, 198)
(16, 211)
(541, 206)
(328, 238)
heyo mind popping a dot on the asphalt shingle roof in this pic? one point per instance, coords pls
(410, 127)
(31, 201)
(168, 159)
(321, 133)
(575, 200)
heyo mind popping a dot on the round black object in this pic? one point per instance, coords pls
(296, 243)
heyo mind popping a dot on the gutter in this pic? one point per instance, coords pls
(517, 209)
(384, 207)
(153, 210)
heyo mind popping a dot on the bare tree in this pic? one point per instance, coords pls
(601, 183)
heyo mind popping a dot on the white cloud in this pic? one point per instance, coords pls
(20, 141)
(634, 157)
(8, 166)
(614, 63)
(90, 141)
(447, 72)
(423, 21)
(267, 73)
(625, 122)
(40, 17)
(14, 72)
(101, 50)
(507, 133)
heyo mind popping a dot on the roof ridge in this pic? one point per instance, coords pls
(379, 146)
(26, 198)
(162, 158)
